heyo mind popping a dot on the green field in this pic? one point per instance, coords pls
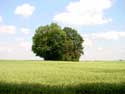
(56, 77)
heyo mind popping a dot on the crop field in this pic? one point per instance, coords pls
(59, 77)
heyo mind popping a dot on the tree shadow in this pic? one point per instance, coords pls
(88, 88)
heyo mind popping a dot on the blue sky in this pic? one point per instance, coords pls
(100, 22)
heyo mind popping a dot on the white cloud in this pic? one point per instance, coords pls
(24, 10)
(11, 29)
(87, 40)
(104, 54)
(26, 45)
(1, 49)
(0, 18)
(85, 12)
(25, 30)
(9, 50)
(15, 51)
(109, 49)
(110, 35)
(100, 48)
(7, 29)
(18, 39)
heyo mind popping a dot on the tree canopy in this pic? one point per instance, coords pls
(51, 42)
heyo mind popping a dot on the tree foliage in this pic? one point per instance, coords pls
(51, 42)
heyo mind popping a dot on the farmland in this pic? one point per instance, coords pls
(59, 77)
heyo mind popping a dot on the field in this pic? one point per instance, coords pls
(56, 77)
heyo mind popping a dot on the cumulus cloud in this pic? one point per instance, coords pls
(85, 12)
(7, 29)
(99, 53)
(100, 48)
(110, 35)
(87, 40)
(95, 50)
(93, 46)
(25, 30)
(26, 45)
(15, 51)
(24, 10)
(0, 18)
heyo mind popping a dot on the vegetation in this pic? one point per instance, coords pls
(53, 43)
(43, 77)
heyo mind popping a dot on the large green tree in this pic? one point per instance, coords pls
(51, 42)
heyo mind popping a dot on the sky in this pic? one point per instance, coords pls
(101, 23)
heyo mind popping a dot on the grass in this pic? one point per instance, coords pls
(56, 77)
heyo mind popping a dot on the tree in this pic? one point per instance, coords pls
(53, 43)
